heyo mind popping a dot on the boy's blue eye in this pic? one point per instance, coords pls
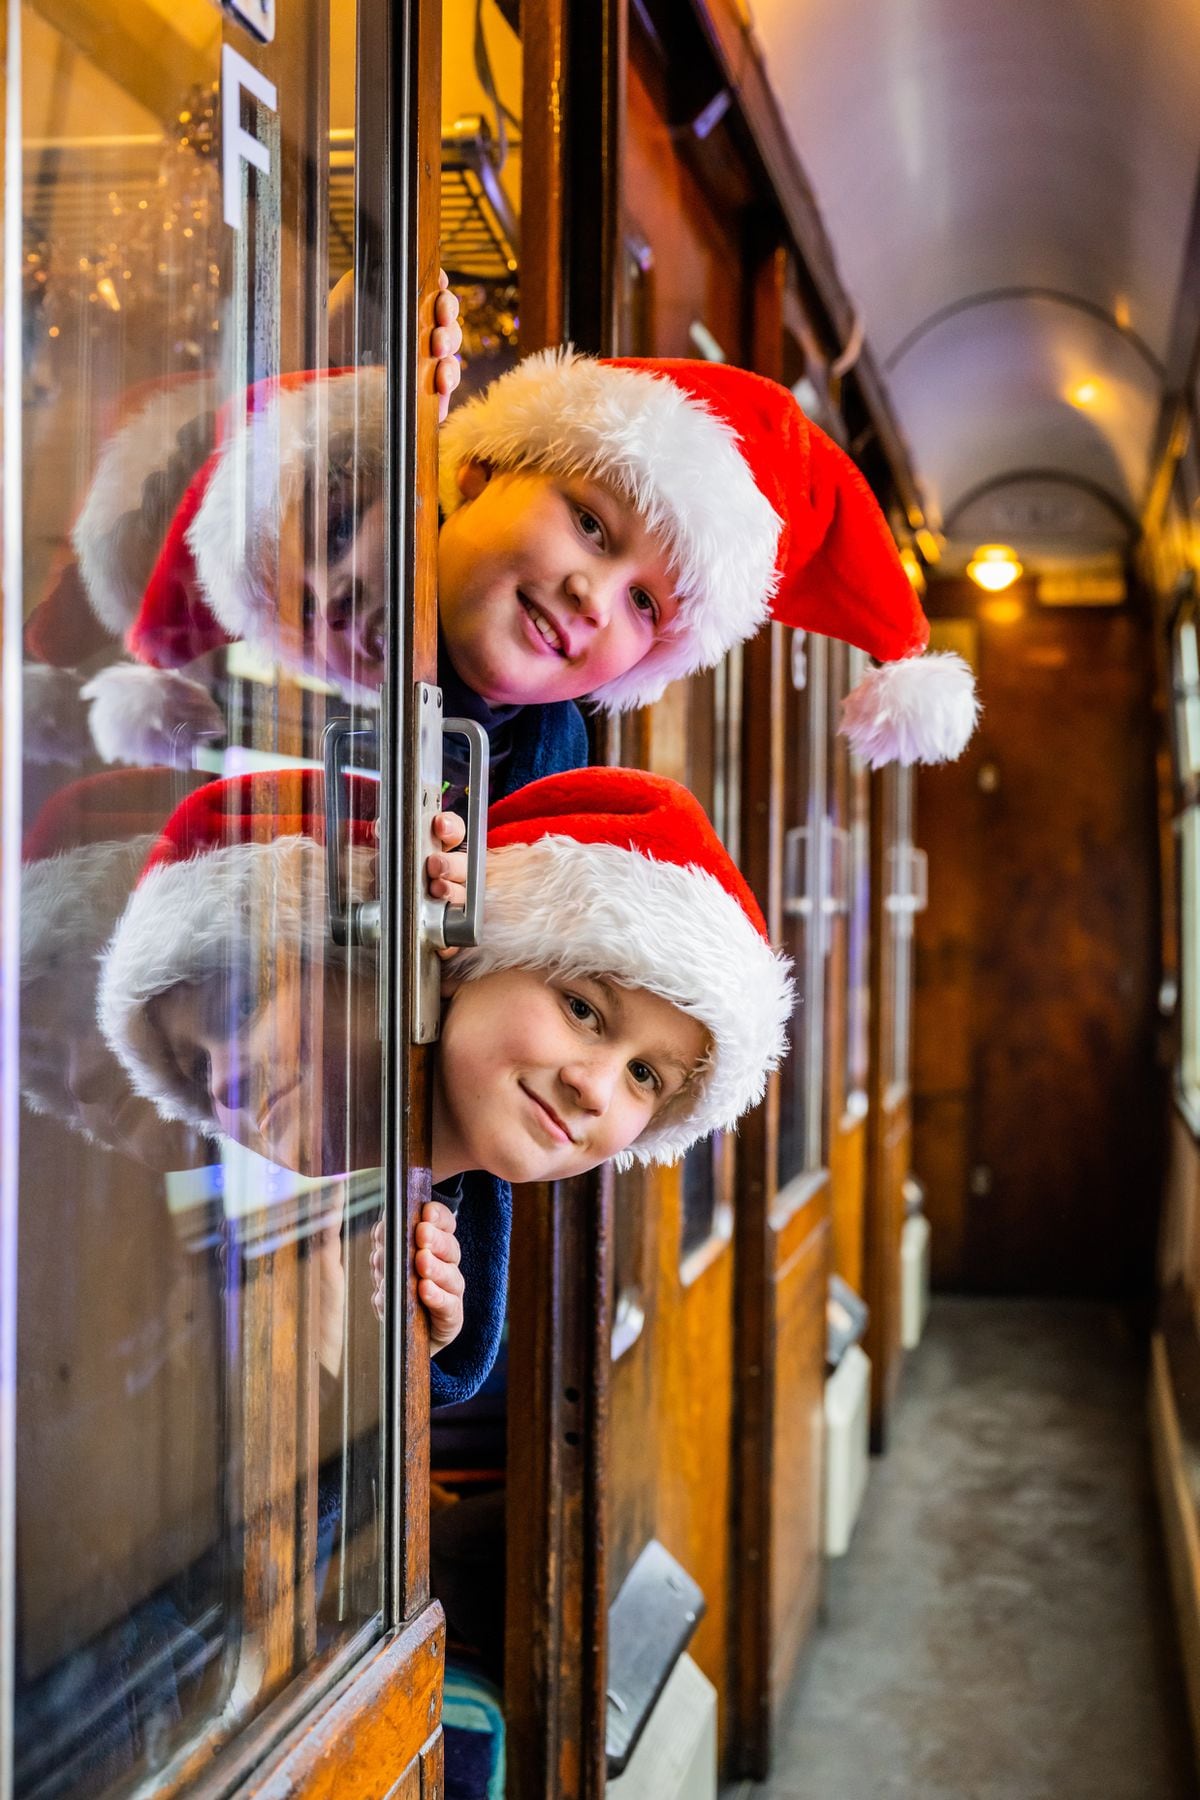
(589, 524)
(644, 603)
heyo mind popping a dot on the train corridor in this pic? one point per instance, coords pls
(1001, 1628)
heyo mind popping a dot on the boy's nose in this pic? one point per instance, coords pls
(592, 595)
(227, 1079)
(591, 1083)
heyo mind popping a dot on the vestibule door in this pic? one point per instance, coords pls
(213, 1560)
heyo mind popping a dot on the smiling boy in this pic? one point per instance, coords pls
(608, 527)
(574, 1033)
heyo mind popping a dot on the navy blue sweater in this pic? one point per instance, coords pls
(543, 740)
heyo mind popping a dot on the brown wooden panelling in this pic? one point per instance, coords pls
(800, 1281)
(375, 1730)
(1037, 971)
(848, 1183)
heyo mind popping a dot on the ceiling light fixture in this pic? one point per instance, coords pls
(994, 567)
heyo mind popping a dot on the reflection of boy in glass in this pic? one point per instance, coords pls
(81, 858)
(572, 1035)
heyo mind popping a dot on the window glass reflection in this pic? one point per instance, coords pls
(205, 492)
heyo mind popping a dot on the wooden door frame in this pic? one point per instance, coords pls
(573, 65)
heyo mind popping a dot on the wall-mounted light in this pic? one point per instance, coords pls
(994, 567)
(1084, 393)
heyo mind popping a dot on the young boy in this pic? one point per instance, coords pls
(574, 1033)
(609, 526)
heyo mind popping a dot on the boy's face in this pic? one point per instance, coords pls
(538, 1078)
(548, 586)
(274, 1070)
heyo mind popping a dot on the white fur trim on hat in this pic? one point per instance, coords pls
(260, 475)
(194, 919)
(70, 903)
(678, 464)
(597, 909)
(142, 446)
(921, 709)
(147, 716)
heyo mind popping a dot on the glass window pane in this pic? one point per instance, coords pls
(481, 182)
(200, 1371)
(806, 857)
(1189, 869)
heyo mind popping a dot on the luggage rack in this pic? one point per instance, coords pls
(480, 234)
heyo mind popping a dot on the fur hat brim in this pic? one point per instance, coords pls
(190, 921)
(570, 908)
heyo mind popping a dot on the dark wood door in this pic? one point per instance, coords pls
(1037, 1123)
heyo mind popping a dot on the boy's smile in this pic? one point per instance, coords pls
(274, 1069)
(539, 1078)
(548, 587)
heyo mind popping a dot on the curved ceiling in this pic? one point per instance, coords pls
(1009, 190)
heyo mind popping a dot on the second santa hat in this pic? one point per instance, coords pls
(598, 872)
(764, 516)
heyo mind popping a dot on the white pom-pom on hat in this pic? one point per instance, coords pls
(922, 709)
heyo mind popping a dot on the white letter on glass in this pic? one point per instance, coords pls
(237, 144)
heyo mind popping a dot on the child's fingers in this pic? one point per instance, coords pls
(434, 1213)
(442, 1244)
(449, 829)
(443, 1274)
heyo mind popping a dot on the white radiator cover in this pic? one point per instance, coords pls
(847, 1447)
(676, 1756)
(914, 1280)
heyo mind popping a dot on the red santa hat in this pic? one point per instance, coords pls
(619, 873)
(215, 579)
(238, 871)
(764, 517)
(604, 871)
(81, 858)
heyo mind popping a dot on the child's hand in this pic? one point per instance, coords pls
(439, 1280)
(446, 870)
(445, 343)
(378, 1267)
(439, 1283)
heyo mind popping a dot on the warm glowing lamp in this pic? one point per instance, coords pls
(1084, 393)
(994, 567)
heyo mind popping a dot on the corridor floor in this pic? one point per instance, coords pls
(1000, 1629)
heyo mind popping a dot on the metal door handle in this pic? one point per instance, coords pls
(435, 924)
(463, 925)
(350, 921)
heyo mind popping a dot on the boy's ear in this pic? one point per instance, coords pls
(472, 478)
(451, 982)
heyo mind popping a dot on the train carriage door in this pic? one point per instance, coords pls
(218, 625)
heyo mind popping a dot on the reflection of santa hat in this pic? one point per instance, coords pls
(236, 875)
(764, 516)
(81, 858)
(215, 579)
(619, 873)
